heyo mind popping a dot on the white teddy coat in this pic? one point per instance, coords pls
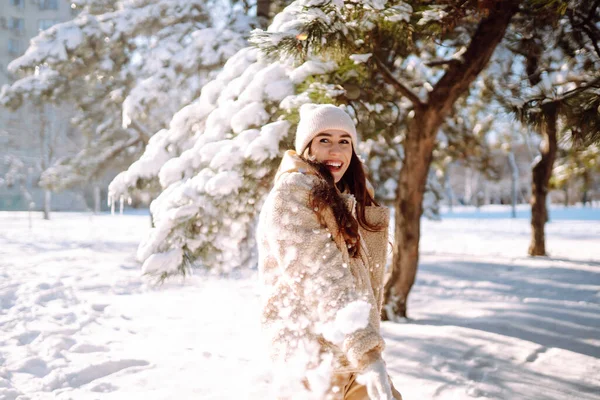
(308, 276)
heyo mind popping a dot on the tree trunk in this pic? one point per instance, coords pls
(514, 180)
(468, 195)
(418, 147)
(45, 159)
(449, 191)
(587, 183)
(263, 11)
(408, 210)
(47, 203)
(96, 199)
(541, 174)
(486, 192)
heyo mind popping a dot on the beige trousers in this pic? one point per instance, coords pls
(355, 391)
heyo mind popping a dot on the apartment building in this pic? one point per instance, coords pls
(27, 132)
(21, 20)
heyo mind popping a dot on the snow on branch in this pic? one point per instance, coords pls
(221, 153)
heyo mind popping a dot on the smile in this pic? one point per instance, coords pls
(334, 166)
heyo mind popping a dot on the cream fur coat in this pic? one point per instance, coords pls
(308, 276)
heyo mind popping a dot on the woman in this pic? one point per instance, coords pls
(322, 243)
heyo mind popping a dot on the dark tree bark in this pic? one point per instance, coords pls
(514, 181)
(541, 174)
(97, 207)
(263, 11)
(418, 148)
(587, 183)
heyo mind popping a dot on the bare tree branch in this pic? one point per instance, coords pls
(389, 78)
(458, 77)
(114, 152)
(436, 63)
(143, 132)
(592, 12)
(593, 38)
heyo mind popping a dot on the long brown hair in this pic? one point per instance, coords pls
(355, 180)
(325, 194)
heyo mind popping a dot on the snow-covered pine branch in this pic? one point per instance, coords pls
(213, 191)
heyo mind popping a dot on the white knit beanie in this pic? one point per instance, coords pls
(317, 118)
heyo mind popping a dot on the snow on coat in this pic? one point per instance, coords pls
(321, 307)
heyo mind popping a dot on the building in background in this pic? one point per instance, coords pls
(21, 20)
(26, 134)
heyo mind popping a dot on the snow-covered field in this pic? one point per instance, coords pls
(78, 322)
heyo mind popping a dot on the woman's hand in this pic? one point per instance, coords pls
(375, 378)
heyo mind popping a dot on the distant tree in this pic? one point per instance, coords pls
(576, 166)
(47, 137)
(554, 78)
(14, 174)
(464, 138)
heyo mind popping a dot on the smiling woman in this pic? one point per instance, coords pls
(322, 243)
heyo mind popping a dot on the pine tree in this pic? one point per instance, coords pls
(212, 192)
(554, 82)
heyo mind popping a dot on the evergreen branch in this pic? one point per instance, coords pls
(586, 25)
(183, 270)
(571, 93)
(565, 96)
(312, 36)
(389, 78)
(574, 108)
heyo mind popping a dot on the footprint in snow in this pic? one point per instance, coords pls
(8, 298)
(88, 348)
(76, 379)
(53, 346)
(99, 307)
(34, 366)
(9, 394)
(104, 387)
(66, 318)
(27, 337)
(50, 294)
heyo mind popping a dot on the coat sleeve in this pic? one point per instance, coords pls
(377, 244)
(312, 267)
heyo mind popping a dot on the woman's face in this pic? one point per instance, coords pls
(334, 149)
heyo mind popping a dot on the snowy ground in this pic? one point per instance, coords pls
(78, 322)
